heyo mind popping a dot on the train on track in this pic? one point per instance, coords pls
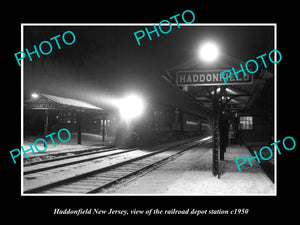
(160, 123)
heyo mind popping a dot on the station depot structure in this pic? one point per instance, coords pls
(160, 123)
(46, 113)
(240, 111)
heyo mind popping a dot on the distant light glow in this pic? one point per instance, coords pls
(132, 106)
(34, 95)
(209, 52)
(207, 138)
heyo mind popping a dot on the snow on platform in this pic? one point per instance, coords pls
(89, 141)
(191, 174)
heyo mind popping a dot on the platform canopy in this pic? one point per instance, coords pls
(45, 101)
(236, 95)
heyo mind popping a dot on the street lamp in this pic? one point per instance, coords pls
(209, 52)
(34, 95)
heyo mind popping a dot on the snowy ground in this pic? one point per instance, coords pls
(58, 174)
(87, 140)
(191, 174)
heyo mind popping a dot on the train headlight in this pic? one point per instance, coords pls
(131, 106)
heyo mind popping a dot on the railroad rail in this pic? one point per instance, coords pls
(96, 180)
(67, 155)
(70, 160)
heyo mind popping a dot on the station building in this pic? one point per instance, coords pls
(44, 113)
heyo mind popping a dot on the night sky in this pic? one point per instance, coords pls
(106, 61)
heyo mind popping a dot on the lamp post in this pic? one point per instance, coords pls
(209, 52)
(36, 95)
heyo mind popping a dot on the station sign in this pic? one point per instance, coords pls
(209, 78)
(40, 105)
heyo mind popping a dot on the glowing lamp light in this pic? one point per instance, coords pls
(131, 106)
(209, 52)
(34, 95)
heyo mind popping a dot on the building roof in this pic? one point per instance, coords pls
(45, 101)
(236, 96)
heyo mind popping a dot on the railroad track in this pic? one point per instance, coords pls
(96, 180)
(66, 155)
(70, 160)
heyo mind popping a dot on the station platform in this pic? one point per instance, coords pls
(191, 174)
(89, 141)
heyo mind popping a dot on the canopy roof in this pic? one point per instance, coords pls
(45, 101)
(237, 96)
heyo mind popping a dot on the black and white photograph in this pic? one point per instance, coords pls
(137, 112)
(107, 110)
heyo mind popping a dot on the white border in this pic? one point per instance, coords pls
(149, 24)
(275, 108)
